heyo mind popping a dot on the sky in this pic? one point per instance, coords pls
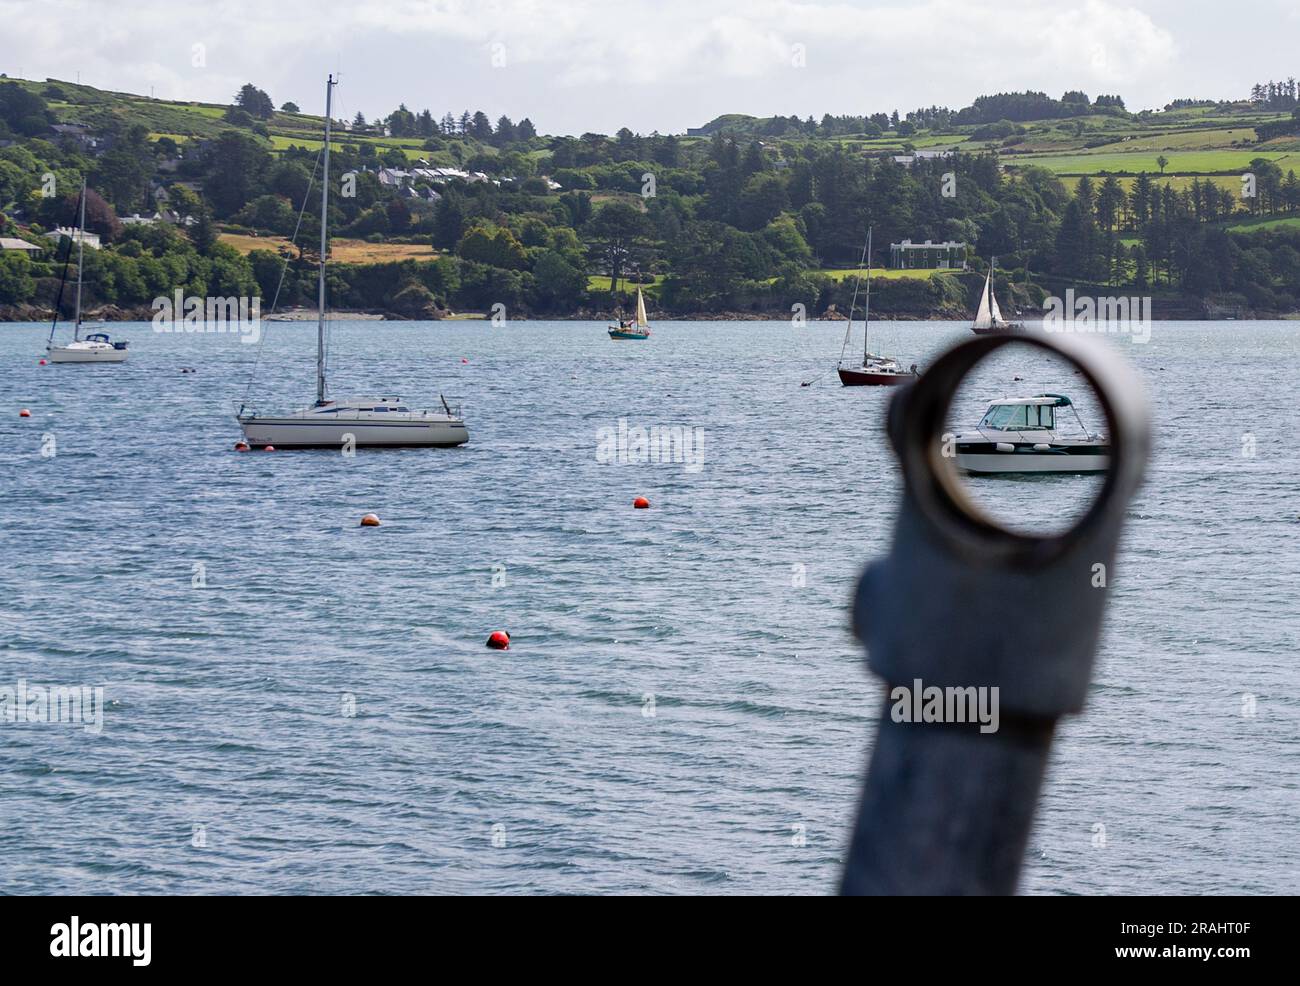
(573, 66)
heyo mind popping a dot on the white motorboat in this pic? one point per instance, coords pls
(97, 347)
(1025, 435)
(374, 422)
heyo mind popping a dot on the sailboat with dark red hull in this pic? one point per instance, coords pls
(875, 371)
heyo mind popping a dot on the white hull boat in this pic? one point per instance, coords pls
(358, 422)
(97, 347)
(1021, 460)
(1021, 435)
(365, 422)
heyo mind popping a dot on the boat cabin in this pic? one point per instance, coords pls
(1023, 413)
(379, 404)
(103, 339)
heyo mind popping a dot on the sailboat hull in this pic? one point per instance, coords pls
(72, 354)
(628, 334)
(297, 433)
(873, 378)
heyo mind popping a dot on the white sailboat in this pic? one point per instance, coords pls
(357, 422)
(96, 347)
(988, 319)
(633, 329)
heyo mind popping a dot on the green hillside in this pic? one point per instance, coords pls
(744, 214)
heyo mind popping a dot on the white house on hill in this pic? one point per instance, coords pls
(89, 239)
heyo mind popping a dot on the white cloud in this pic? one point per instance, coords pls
(582, 64)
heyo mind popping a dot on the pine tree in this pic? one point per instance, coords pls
(448, 222)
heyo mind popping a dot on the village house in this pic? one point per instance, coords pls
(907, 160)
(11, 243)
(908, 255)
(80, 134)
(87, 238)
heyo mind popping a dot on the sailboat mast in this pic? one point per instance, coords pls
(324, 218)
(993, 299)
(866, 307)
(853, 303)
(81, 245)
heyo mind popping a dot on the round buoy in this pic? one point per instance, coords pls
(241, 446)
(464, 360)
(370, 520)
(499, 640)
(269, 448)
(641, 503)
(24, 413)
(42, 363)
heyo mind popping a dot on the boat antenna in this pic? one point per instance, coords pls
(324, 244)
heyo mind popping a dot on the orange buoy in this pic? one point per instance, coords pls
(499, 640)
(24, 413)
(370, 520)
(241, 446)
(269, 448)
(641, 503)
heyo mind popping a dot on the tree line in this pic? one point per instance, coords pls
(729, 223)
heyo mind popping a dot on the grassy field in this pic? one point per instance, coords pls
(600, 282)
(1256, 223)
(1180, 162)
(183, 121)
(1180, 183)
(1185, 140)
(888, 273)
(343, 251)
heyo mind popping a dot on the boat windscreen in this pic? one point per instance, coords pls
(1019, 417)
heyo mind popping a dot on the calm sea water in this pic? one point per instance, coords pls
(682, 698)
